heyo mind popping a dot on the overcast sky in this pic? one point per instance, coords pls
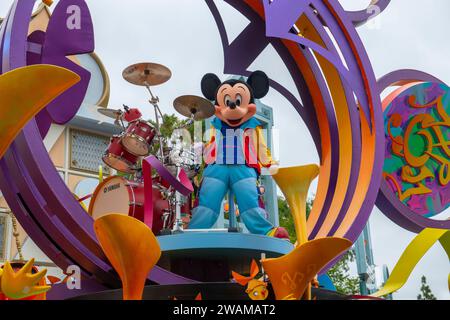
(183, 36)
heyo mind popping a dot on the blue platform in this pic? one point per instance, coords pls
(216, 252)
(218, 243)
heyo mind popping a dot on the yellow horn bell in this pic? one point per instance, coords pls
(292, 274)
(294, 182)
(132, 249)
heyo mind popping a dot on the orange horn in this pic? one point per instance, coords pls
(291, 274)
(132, 249)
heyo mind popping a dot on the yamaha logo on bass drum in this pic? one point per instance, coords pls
(111, 188)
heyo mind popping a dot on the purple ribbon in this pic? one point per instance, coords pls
(183, 185)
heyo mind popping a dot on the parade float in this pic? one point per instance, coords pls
(132, 242)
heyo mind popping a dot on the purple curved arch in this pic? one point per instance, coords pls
(404, 76)
(36, 193)
(387, 201)
(374, 9)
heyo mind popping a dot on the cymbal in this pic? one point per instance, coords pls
(147, 74)
(198, 107)
(110, 113)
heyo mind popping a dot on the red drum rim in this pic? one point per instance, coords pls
(134, 136)
(130, 165)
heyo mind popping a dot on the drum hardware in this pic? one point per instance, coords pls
(178, 224)
(138, 175)
(162, 191)
(180, 157)
(147, 75)
(132, 184)
(115, 114)
(154, 101)
(164, 195)
(166, 214)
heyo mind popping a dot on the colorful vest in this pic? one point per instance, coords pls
(242, 145)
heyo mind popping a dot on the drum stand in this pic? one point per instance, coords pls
(119, 121)
(178, 224)
(154, 102)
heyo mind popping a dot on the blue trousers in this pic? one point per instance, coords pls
(217, 181)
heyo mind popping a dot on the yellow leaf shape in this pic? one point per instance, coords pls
(23, 283)
(24, 92)
(411, 257)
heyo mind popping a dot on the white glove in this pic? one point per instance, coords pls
(273, 170)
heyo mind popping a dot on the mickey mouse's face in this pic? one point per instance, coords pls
(233, 104)
(235, 99)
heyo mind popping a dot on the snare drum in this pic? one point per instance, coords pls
(138, 137)
(121, 196)
(118, 158)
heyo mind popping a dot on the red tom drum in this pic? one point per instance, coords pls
(118, 158)
(138, 137)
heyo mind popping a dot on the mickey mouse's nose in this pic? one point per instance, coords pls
(232, 105)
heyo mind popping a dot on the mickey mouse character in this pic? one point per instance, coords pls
(235, 154)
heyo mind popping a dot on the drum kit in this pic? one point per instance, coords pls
(125, 194)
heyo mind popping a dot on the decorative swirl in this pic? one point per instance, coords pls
(416, 167)
(387, 201)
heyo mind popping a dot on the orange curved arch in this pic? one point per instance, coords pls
(369, 138)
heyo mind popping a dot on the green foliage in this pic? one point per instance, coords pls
(286, 220)
(425, 291)
(339, 274)
(168, 125)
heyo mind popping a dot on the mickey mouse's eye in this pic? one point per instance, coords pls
(238, 100)
(227, 100)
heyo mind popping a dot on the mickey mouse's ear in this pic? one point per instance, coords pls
(210, 84)
(259, 82)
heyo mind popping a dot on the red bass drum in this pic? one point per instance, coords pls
(121, 196)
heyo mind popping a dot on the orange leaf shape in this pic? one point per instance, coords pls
(291, 274)
(53, 279)
(26, 91)
(243, 281)
(254, 269)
